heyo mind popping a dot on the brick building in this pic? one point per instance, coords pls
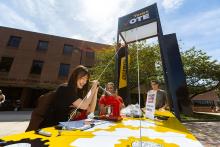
(206, 102)
(33, 63)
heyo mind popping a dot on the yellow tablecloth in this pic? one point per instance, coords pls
(121, 134)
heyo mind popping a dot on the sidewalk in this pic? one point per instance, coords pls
(10, 116)
(206, 132)
(13, 122)
(9, 128)
(218, 113)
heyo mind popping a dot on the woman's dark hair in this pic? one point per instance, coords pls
(79, 72)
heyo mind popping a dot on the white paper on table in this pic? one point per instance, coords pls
(150, 104)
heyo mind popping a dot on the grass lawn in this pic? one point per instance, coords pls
(200, 117)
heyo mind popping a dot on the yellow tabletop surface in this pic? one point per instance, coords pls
(127, 133)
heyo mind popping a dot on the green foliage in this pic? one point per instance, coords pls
(200, 117)
(149, 64)
(100, 70)
(202, 73)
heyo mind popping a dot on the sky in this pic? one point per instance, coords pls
(195, 22)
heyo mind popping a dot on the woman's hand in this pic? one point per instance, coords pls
(93, 89)
(95, 84)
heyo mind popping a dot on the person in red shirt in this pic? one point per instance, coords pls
(110, 100)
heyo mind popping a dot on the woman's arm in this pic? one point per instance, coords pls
(102, 105)
(122, 105)
(93, 102)
(102, 109)
(166, 105)
(84, 104)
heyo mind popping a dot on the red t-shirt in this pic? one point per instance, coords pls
(115, 102)
(105, 100)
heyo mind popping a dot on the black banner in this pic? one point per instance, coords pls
(138, 18)
(122, 63)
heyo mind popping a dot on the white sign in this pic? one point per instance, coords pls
(150, 104)
(145, 31)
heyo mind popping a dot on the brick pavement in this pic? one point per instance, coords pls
(208, 133)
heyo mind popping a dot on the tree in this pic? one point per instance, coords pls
(202, 73)
(149, 64)
(104, 67)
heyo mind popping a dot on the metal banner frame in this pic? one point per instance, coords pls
(140, 19)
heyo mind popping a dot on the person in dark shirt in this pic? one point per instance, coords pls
(161, 96)
(68, 98)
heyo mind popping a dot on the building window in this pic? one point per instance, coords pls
(42, 45)
(75, 49)
(67, 49)
(90, 54)
(14, 41)
(37, 67)
(64, 70)
(6, 63)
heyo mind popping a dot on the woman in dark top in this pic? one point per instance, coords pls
(67, 98)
